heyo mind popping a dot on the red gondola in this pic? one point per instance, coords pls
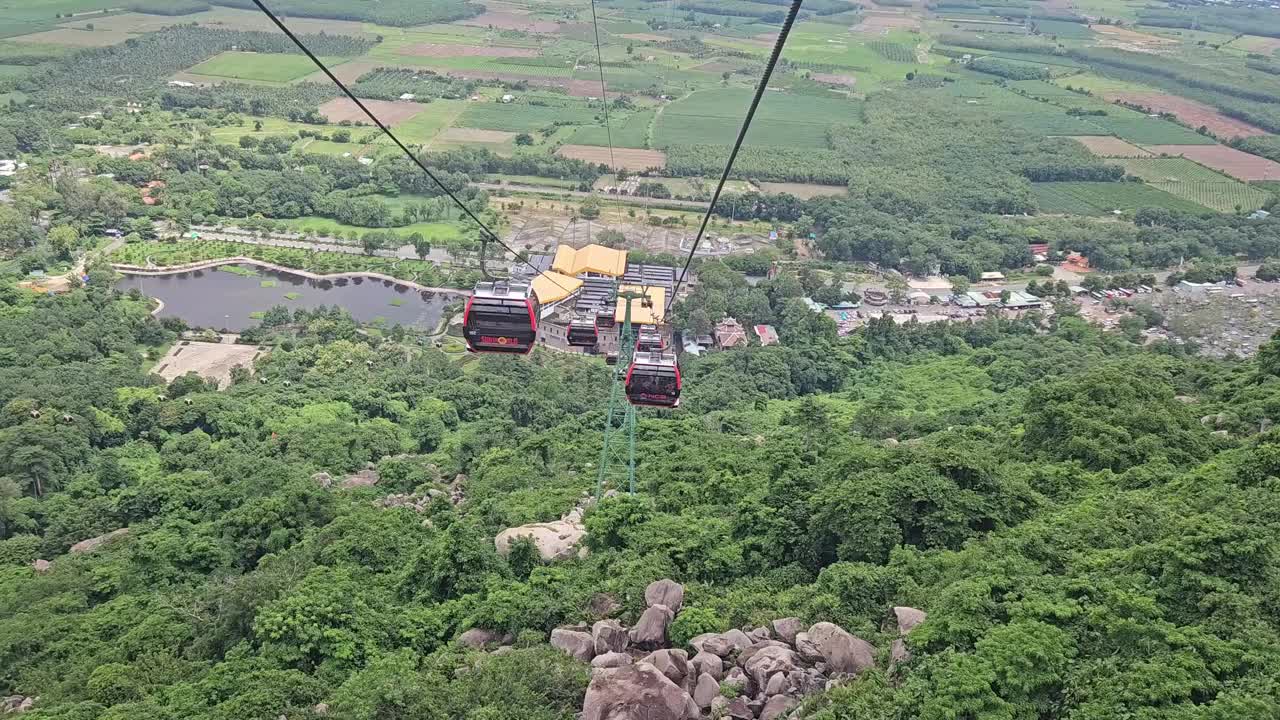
(605, 319)
(501, 317)
(653, 380)
(583, 332)
(650, 341)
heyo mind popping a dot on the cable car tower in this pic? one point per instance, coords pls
(618, 454)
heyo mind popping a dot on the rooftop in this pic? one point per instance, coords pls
(551, 287)
(641, 314)
(592, 258)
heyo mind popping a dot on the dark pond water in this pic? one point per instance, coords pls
(223, 300)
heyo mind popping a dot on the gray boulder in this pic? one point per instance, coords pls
(609, 636)
(843, 652)
(908, 618)
(769, 661)
(787, 628)
(738, 679)
(776, 706)
(806, 648)
(778, 684)
(738, 638)
(650, 632)
(668, 593)
(760, 634)
(705, 691)
(41, 566)
(675, 665)
(898, 654)
(636, 692)
(610, 660)
(362, 478)
(88, 546)
(713, 643)
(556, 540)
(575, 643)
(739, 709)
(745, 656)
(705, 662)
(479, 638)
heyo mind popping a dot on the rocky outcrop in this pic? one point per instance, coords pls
(88, 546)
(611, 660)
(770, 661)
(555, 540)
(787, 628)
(363, 478)
(843, 652)
(636, 692)
(576, 643)
(41, 566)
(15, 704)
(480, 638)
(908, 618)
(667, 593)
(609, 636)
(650, 631)
(323, 479)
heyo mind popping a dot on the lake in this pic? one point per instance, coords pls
(224, 300)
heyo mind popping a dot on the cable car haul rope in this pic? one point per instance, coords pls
(501, 316)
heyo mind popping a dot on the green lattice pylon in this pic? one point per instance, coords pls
(618, 453)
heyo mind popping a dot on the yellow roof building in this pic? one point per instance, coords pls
(590, 259)
(550, 287)
(640, 313)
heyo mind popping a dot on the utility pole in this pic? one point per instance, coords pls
(619, 448)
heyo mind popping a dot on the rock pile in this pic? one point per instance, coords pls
(16, 704)
(88, 546)
(759, 674)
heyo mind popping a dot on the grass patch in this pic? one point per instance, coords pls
(276, 67)
(396, 302)
(292, 295)
(257, 314)
(709, 117)
(237, 270)
(267, 283)
(1102, 198)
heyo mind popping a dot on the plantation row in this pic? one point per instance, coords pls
(895, 52)
(424, 85)
(1101, 198)
(399, 13)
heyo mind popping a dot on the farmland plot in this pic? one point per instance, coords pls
(1102, 198)
(273, 67)
(623, 159)
(1237, 164)
(1196, 183)
(711, 117)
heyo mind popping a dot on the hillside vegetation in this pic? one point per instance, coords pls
(1085, 544)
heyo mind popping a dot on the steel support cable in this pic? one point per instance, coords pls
(737, 145)
(604, 92)
(490, 236)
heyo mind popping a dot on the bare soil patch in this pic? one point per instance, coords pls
(645, 37)
(1124, 37)
(1254, 43)
(879, 24)
(1190, 112)
(511, 21)
(472, 135)
(623, 158)
(804, 191)
(834, 79)
(1237, 164)
(211, 361)
(76, 38)
(347, 72)
(391, 113)
(1104, 146)
(715, 66)
(444, 50)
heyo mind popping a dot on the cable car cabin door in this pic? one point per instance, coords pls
(500, 325)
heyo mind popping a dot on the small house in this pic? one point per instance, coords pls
(408, 96)
(767, 333)
(992, 277)
(730, 333)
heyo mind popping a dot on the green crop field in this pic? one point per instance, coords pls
(276, 67)
(1101, 198)
(892, 51)
(712, 117)
(1063, 30)
(632, 132)
(519, 117)
(1196, 183)
(21, 17)
(1143, 130)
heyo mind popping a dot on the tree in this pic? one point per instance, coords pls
(590, 208)
(524, 139)
(959, 284)
(1269, 271)
(249, 142)
(372, 242)
(63, 239)
(421, 245)
(341, 136)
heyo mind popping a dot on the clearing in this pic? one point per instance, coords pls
(511, 21)
(1127, 39)
(472, 135)
(76, 37)
(881, 24)
(273, 68)
(211, 361)
(1261, 45)
(389, 112)
(1190, 112)
(623, 158)
(834, 79)
(804, 191)
(1104, 146)
(442, 51)
(1238, 164)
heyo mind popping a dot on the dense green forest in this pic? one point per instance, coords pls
(1091, 526)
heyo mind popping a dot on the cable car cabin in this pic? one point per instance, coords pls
(582, 331)
(653, 380)
(500, 317)
(605, 319)
(650, 341)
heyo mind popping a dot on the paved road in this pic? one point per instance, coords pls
(627, 199)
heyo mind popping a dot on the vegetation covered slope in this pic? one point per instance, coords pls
(1085, 546)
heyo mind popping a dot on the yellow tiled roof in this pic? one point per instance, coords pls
(552, 286)
(641, 315)
(592, 258)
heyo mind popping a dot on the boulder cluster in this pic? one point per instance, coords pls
(15, 704)
(755, 674)
(557, 540)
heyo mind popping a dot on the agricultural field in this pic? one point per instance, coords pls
(1196, 183)
(1105, 146)
(521, 117)
(390, 112)
(21, 17)
(75, 37)
(622, 158)
(712, 117)
(1104, 198)
(1189, 112)
(271, 68)
(1237, 164)
(632, 132)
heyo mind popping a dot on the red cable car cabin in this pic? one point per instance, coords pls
(501, 317)
(650, 341)
(583, 332)
(605, 319)
(653, 380)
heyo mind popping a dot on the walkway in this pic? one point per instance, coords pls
(560, 192)
(290, 240)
